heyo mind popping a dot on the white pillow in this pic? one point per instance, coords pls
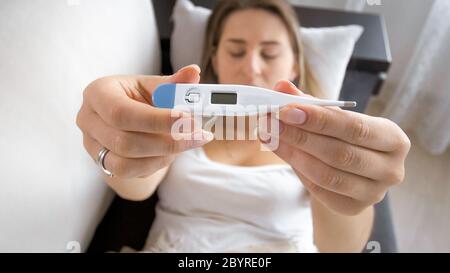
(51, 193)
(327, 50)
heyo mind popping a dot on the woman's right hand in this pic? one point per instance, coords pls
(117, 113)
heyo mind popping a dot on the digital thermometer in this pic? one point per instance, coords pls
(225, 99)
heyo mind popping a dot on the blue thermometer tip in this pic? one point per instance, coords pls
(164, 95)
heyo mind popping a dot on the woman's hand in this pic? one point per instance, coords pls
(117, 113)
(346, 160)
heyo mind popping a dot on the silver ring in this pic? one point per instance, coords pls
(101, 161)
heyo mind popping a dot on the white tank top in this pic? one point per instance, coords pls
(207, 206)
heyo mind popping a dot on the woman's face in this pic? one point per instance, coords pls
(254, 49)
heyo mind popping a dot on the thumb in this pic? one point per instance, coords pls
(288, 87)
(187, 74)
(147, 84)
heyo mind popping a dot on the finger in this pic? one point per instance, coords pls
(335, 202)
(123, 167)
(334, 180)
(351, 127)
(288, 87)
(337, 153)
(187, 74)
(108, 98)
(136, 144)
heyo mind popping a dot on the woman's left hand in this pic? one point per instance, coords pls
(346, 160)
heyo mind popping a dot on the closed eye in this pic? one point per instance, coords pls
(269, 56)
(237, 54)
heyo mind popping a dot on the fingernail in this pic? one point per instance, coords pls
(179, 71)
(277, 85)
(197, 67)
(293, 115)
(186, 67)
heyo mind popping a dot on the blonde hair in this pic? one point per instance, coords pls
(304, 80)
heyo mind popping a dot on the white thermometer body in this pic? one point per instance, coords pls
(229, 100)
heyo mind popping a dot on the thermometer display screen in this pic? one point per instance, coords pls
(223, 98)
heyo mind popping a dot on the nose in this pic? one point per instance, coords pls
(252, 66)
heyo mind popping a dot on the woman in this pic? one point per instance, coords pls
(316, 191)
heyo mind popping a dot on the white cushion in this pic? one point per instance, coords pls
(327, 50)
(51, 191)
